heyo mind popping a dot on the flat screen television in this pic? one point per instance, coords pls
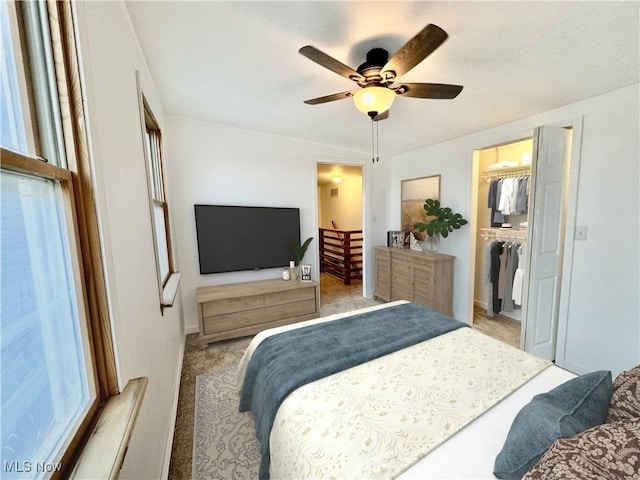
(235, 238)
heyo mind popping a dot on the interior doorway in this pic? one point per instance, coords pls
(500, 236)
(340, 240)
(521, 201)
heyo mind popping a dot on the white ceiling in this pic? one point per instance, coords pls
(237, 63)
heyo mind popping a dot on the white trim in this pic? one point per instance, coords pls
(171, 289)
(364, 213)
(193, 329)
(570, 225)
(166, 458)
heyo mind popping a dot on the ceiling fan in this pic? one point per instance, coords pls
(377, 76)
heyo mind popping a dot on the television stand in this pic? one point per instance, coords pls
(241, 309)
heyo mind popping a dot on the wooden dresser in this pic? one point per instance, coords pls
(240, 309)
(403, 274)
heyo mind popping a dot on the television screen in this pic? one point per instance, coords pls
(234, 238)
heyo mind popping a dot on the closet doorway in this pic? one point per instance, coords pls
(340, 239)
(521, 201)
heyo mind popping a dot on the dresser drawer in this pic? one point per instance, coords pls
(242, 319)
(230, 305)
(290, 296)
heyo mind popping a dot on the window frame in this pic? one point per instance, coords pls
(156, 186)
(78, 195)
(19, 163)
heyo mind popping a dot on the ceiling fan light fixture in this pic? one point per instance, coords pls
(374, 100)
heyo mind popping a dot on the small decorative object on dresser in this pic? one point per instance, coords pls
(396, 239)
(305, 273)
(300, 251)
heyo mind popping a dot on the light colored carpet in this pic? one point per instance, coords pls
(225, 446)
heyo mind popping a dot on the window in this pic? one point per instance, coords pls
(168, 279)
(55, 372)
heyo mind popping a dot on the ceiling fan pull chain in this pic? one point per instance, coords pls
(377, 142)
(373, 151)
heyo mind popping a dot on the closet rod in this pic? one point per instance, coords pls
(489, 175)
(513, 235)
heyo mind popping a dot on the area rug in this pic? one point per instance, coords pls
(224, 440)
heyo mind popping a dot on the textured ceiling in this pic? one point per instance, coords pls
(237, 63)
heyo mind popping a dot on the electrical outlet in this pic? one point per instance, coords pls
(581, 232)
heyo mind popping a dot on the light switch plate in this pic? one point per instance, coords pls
(581, 232)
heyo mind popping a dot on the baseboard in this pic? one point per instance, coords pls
(174, 410)
(190, 330)
(480, 304)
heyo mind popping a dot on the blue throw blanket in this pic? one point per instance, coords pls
(286, 361)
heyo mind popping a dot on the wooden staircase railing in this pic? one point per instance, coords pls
(341, 253)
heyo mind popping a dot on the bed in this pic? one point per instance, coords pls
(439, 405)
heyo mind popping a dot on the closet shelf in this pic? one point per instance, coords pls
(518, 171)
(503, 233)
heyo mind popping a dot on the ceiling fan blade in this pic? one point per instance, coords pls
(329, 98)
(415, 50)
(428, 90)
(312, 53)
(381, 116)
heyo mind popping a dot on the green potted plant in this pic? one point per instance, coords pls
(299, 251)
(442, 222)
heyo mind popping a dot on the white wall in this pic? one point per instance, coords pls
(345, 209)
(216, 164)
(147, 343)
(601, 329)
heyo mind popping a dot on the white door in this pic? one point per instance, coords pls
(547, 205)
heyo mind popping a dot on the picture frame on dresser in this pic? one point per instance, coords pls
(305, 273)
(414, 192)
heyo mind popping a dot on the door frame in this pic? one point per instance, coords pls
(364, 212)
(573, 175)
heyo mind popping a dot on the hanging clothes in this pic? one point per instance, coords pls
(512, 266)
(508, 196)
(487, 279)
(495, 187)
(522, 201)
(502, 277)
(496, 251)
(518, 279)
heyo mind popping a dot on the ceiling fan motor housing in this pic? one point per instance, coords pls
(371, 68)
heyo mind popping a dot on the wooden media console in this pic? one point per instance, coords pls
(241, 309)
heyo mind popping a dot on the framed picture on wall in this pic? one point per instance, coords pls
(413, 194)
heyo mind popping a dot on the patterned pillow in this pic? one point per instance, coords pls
(607, 451)
(625, 399)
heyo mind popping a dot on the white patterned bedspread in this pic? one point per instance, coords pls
(377, 419)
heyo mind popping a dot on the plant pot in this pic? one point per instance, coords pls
(431, 243)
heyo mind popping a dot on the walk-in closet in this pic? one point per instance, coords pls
(502, 228)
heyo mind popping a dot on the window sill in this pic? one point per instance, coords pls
(103, 455)
(171, 289)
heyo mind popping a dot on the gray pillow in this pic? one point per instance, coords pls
(568, 409)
